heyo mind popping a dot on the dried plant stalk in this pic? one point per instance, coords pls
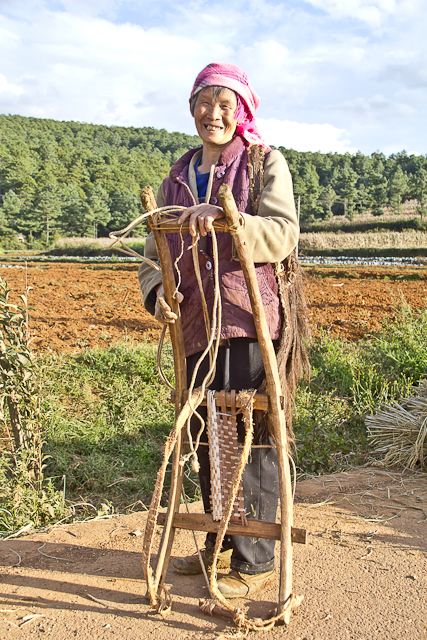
(399, 431)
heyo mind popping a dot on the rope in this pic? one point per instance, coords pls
(210, 606)
(215, 328)
(159, 359)
(114, 235)
(155, 501)
(199, 553)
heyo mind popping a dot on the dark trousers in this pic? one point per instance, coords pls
(240, 366)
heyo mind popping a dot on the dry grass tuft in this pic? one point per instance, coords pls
(399, 431)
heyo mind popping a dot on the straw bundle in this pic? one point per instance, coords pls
(399, 431)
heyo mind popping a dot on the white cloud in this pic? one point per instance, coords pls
(305, 137)
(89, 62)
(376, 107)
(8, 88)
(372, 12)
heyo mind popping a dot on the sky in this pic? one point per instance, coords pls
(333, 75)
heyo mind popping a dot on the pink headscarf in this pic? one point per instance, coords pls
(234, 78)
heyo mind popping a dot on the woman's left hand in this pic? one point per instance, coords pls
(203, 215)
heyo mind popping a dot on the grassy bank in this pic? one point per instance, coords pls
(105, 416)
(366, 222)
(92, 247)
(366, 252)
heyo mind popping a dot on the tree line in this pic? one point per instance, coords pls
(332, 183)
(76, 179)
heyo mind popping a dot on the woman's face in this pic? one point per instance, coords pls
(214, 117)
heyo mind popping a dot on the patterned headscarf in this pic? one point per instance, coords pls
(234, 78)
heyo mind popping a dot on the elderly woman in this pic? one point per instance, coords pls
(223, 104)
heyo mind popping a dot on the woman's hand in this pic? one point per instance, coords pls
(162, 311)
(204, 215)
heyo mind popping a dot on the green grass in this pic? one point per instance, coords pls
(105, 417)
(92, 247)
(349, 381)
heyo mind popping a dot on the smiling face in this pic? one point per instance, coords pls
(214, 116)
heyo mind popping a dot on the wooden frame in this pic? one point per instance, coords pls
(172, 519)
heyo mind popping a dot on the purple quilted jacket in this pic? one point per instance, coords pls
(237, 319)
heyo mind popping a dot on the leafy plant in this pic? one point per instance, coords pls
(323, 430)
(19, 397)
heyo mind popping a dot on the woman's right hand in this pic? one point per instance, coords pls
(201, 216)
(162, 311)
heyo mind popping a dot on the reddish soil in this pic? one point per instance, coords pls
(363, 571)
(352, 302)
(76, 306)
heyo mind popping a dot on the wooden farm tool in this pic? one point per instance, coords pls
(273, 399)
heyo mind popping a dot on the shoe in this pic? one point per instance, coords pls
(190, 565)
(239, 585)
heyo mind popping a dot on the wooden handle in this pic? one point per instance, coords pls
(177, 338)
(148, 200)
(277, 413)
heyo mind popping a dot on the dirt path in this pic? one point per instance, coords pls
(362, 573)
(75, 305)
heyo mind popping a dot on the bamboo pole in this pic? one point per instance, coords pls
(177, 340)
(274, 391)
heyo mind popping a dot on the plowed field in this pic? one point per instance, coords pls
(75, 306)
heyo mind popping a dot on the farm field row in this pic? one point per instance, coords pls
(74, 306)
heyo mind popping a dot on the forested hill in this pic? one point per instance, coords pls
(74, 174)
(81, 179)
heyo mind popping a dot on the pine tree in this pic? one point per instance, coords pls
(344, 183)
(48, 209)
(397, 187)
(124, 207)
(418, 186)
(76, 217)
(10, 212)
(99, 206)
(327, 196)
(378, 187)
(310, 205)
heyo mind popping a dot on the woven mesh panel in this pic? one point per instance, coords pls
(224, 457)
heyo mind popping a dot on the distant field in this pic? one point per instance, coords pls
(374, 240)
(408, 213)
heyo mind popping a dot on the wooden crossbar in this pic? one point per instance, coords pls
(254, 528)
(260, 400)
(171, 226)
